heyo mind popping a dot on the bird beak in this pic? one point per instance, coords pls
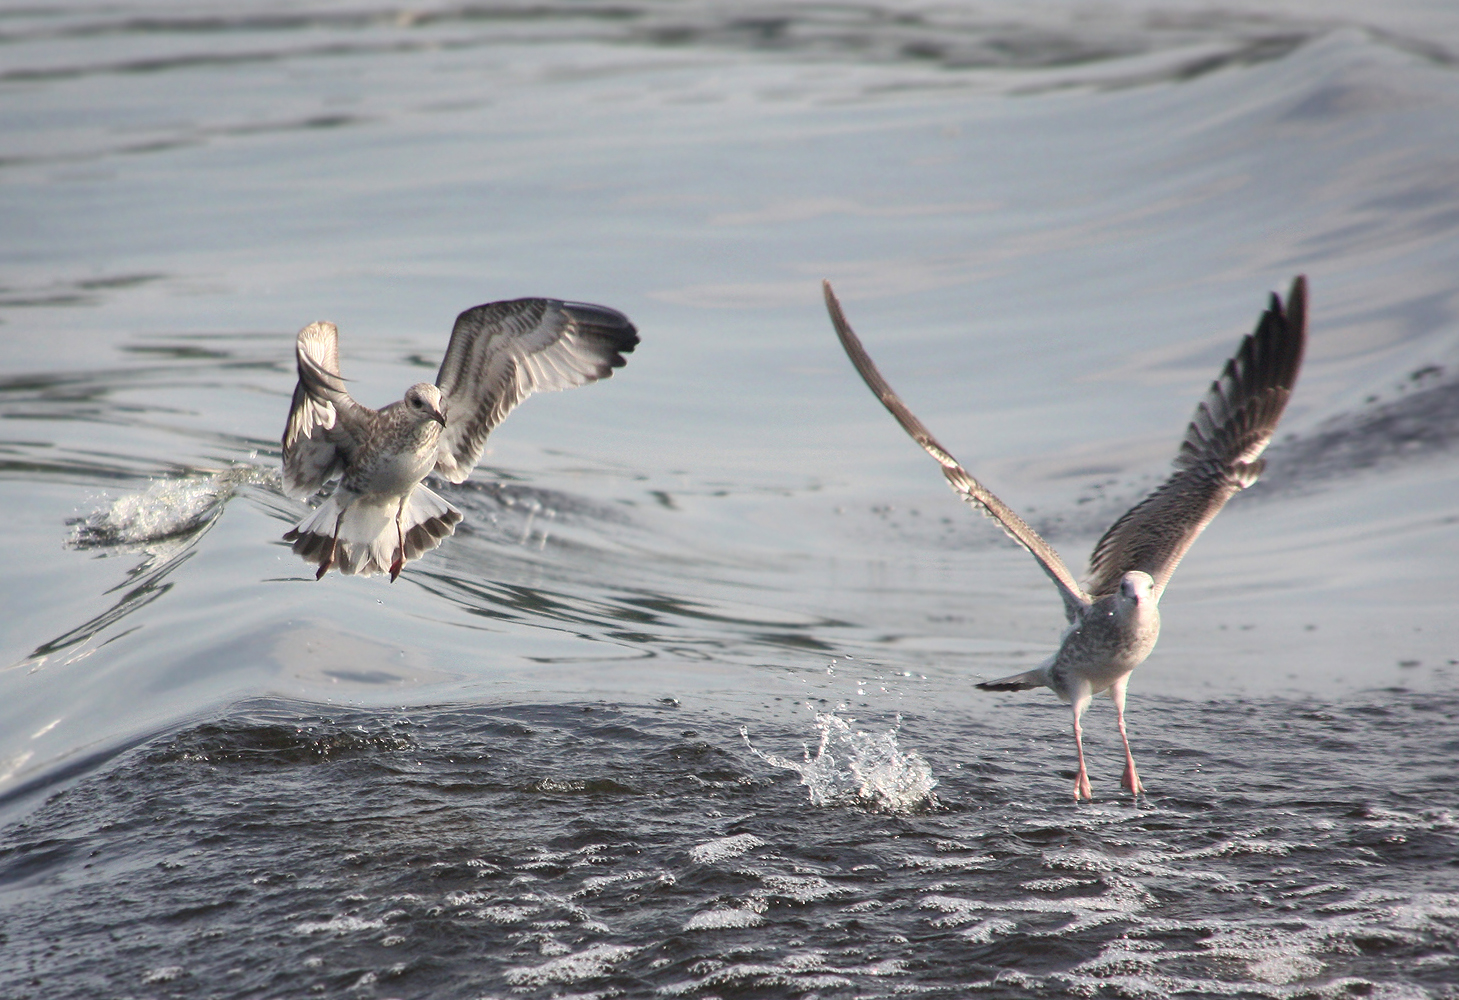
(439, 416)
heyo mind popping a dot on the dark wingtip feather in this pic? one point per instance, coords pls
(610, 326)
(1296, 315)
(1220, 453)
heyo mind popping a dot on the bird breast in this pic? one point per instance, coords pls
(1111, 638)
(400, 459)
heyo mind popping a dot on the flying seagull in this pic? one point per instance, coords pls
(1115, 620)
(380, 515)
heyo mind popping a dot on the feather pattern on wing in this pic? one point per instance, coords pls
(1220, 456)
(319, 415)
(972, 491)
(502, 352)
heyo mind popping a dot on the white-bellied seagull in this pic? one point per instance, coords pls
(1115, 619)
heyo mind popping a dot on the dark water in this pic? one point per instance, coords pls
(685, 707)
(1294, 848)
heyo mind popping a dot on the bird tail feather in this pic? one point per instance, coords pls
(428, 520)
(1037, 677)
(360, 536)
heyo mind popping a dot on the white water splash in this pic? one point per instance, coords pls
(857, 766)
(167, 509)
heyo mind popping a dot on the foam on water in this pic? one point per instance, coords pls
(857, 766)
(723, 919)
(591, 962)
(337, 925)
(725, 848)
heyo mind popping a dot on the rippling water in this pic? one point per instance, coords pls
(684, 708)
(611, 850)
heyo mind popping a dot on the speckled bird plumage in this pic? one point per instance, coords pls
(380, 515)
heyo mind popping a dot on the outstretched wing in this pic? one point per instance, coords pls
(502, 352)
(1221, 453)
(319, 415)
(971, 490)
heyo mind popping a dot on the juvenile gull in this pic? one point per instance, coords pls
(380, 516)
(1115, 620)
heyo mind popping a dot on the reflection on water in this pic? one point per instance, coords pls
(520, 769)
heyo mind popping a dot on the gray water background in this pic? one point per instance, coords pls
(1050, 224)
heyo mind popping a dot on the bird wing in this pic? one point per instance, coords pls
(322, 416)
(502, 352)
(974, 492)
(1221, 453)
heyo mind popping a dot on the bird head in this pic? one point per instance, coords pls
(424, 400)
(1137, 586)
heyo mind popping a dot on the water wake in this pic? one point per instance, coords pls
(168, 509)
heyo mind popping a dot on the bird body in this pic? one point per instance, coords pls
(380, 512)
(1098, 651)
(380, 515)
(1114, 620)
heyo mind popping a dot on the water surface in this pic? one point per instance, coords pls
(685, 707)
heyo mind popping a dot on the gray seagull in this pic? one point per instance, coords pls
(1115, 620)
(380, 515)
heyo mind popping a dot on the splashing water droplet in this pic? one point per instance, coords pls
(851, 766)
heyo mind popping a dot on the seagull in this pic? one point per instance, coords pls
(1115, 619)
(380, 515)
